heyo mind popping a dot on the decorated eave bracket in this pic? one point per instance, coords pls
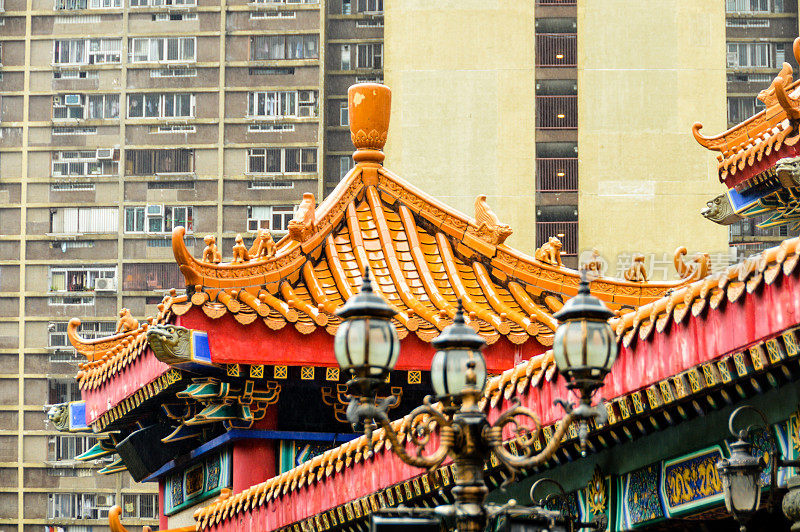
(759, 159)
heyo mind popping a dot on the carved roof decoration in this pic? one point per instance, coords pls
(753, 146)
(710, 294)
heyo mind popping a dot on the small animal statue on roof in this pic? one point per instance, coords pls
(240, 253)
(637, 271)
(303, 225)
(126, 322)
(263, 246)
(550, 252)
(59, 415)
(784, 79)
(211, 254)
(489, 226)
(698, 268)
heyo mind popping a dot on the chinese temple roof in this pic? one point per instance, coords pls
(423, 255)
(766, 285)
(757, 143)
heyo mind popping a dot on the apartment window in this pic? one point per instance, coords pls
(345, 164)
(170, 185)
(86, 51)
(272, 217)
(269, 184)
(57, 336)
(271, 71)
(269, 128)
(162, 17)
(152, 162)
(151, 276)
(285, 2)
(343, 114)
(754, 6)
(347, 8)
(67, 106)
(155, 105)
(173, 128)
(69, 5)
(272, 47)
(740, 109)
(370, 6)
(157, 218)
(169, 49)
(74, 131)
(160, 3)
(76, 220)
(76, 74)
(364, 23)
(140, 505)
(81, 279)
(272, 14)
(174, 73)
(750, 55)
(282, 104)
(61, 448)
(62, 390)
(281, 160)
(71, 186)
(345, 57)
(85, 163)
(79, 505)
(99, 106)
(369, 55)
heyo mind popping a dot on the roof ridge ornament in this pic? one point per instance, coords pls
(369, 106)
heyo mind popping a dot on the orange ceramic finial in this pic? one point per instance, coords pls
(369, 105)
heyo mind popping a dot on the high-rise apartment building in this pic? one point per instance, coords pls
(573, 117)
(758, 35)
(119, 120)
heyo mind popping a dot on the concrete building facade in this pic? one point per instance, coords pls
(120, 119)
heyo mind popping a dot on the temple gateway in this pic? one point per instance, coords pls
(231, 397)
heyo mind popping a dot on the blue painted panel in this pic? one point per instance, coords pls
(691, 482)
(77, 415)
(201, 352)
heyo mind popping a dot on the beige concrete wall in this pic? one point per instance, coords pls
(462, 79)
(646, 72)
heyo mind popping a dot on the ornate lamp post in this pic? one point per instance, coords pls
(741, 474)
(366, 345)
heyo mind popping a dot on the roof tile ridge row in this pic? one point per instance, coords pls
(710, 292)
(289, 256)
(516, 263)
(126, 348)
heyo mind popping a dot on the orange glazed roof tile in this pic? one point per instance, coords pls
(745, 145)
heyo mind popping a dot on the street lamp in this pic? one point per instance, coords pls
(366, 345)
(741, 473)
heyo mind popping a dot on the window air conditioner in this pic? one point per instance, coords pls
(105, 285)
(305, 112)
(72, 99)
(732, 59)
(57, 100)
(307, 97)
(154, 210)
(105, 153)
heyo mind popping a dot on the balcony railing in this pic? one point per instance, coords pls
(556, 2)
(556, 175)
(556, 112)
(556, 49)
(569, 242)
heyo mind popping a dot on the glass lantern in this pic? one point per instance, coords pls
(585, 346)
(366, 343)
(458, 349)
(740, 475)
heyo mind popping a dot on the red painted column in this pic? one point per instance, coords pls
(163, 523)
(255, 461)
